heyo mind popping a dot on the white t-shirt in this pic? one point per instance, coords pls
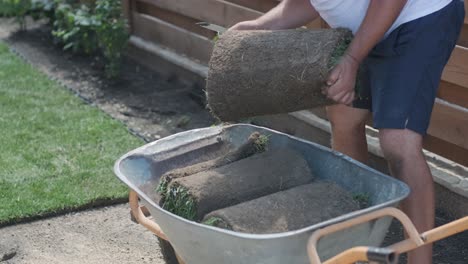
(351, 13)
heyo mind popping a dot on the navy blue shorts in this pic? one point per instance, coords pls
(400, 77)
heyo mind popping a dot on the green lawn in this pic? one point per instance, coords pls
(56, 152)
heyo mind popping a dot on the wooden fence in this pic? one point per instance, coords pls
(172, 24)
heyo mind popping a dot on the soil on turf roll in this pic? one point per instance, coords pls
(196, 195)
(263, 72)
(256, 143)
(284, 211)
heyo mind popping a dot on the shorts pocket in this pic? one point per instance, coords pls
(405, 36)
(398, 41)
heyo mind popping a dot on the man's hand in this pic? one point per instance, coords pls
(286, 15)
(246, 25)
(379, 18)
(342, 81)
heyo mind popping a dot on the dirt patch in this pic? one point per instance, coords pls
(98, 236)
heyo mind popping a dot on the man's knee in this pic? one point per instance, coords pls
(399, 145)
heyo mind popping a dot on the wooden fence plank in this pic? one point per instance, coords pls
(317, 23)
(214, 11)
(173, 37)
(453, 93)
(466, 12)
(446, 149)
(456, 70)
(463, 39)
(126, 8)
(450, 123)
(259, 5)
(174, 18)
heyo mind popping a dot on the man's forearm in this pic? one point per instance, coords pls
(288, 14)
(380, 16)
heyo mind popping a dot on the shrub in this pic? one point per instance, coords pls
(16, 8)
(75, 28)
(96, 26)
(112, 34)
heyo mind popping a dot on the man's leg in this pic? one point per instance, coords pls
(349, 131)
(403, 150)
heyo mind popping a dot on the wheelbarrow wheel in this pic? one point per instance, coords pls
(168, 252)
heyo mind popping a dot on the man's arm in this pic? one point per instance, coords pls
(286, 15)
(379, 18)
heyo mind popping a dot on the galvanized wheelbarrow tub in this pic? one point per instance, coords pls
(195, 243)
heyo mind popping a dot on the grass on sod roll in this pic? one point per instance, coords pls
(177, 200)
(212, 221)
(57, 152)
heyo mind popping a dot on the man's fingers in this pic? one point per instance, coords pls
(348, 98)
(336, 88)
(337, 98)
(334, 76)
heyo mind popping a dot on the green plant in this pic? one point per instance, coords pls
(89, 29)
(43, 9)
(82, 28)
(112, 34)
(16, 8)
(75, 28)
(20, 9)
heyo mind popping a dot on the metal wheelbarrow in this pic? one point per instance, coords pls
(196, 243)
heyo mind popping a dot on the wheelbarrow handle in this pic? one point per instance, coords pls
(364, 253)
(141, 218)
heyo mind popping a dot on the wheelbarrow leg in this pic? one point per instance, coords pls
(141, 218)
(141, 213)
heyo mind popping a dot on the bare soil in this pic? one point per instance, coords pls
(152, 107)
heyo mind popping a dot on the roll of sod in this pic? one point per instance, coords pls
(196, 195)
(256, 143)
(263, 72)
(288, 210)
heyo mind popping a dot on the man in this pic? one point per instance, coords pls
(403, 46)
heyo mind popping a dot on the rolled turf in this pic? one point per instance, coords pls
(284, 211)
(194, 196)
(263, 72)
(255, 143)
